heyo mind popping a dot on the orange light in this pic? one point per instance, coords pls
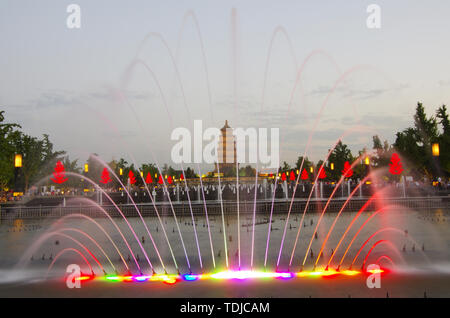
(18, 161)
(435, 149)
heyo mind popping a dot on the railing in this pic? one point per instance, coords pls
(263, 208)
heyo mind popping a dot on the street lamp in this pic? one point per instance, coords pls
(18, 161)
(435, 149)
(332, 166)
(311, 169)
(367, 161)
(86, 167)
(17, 166)
(120, 171)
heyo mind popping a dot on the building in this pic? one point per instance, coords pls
(226, 152)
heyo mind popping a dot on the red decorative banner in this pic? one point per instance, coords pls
(59, 173)
(322, 174)
(105, 176)
(395, 165)
(148, 178)
(131, 177)
(304, 175)
(347, 171)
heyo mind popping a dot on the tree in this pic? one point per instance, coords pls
(338, 157)
(414, 143)
(6, 151)
(444, 139)
(306, 163)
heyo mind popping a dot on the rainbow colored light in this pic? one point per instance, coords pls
(228, 275)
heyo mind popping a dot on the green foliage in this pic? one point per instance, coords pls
(415, 143)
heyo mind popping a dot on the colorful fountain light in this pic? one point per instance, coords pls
(228, 275)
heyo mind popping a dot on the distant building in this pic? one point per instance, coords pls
(226, 152)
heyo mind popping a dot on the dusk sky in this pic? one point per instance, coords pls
(77, 85)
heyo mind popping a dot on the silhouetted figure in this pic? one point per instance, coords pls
(137, 257)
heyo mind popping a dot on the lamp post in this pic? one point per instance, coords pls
(17, 166)
(435, 152)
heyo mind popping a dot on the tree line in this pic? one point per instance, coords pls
(413, 144)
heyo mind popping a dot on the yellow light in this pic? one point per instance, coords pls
(332, 166)
(165, 177)
(435, 149)
(120, 171)
(142, 173)
(18, 161)
(366, 161)
(297, 171)
(86, 167)
(311, 169)
(156, 175)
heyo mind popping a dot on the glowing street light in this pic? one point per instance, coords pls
(86, 167)
(435, 149)
(367, 161)
(18, 161)
(311, 169)
(332, 166)
(120, 171)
